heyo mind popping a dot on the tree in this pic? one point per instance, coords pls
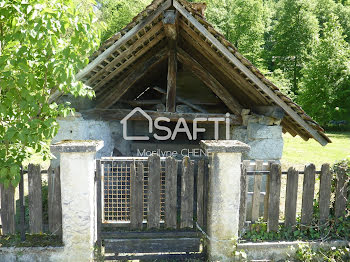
(117, 14)
(43, 44)
(324, 11)
(242, 22)
(325, 88)
(295, 32)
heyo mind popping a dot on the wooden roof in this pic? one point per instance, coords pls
(143, 44)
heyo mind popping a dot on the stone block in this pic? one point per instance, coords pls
(245, 112)
(239, 133)
(266, 120)
(265, 149)
(258, 131)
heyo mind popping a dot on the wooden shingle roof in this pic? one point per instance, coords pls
(118, 61)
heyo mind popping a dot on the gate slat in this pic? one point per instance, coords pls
(136, 195)
(257, 190)
(187, 184)
(274, 197)
(308, 194)
(8, 209)
(200, 193)
(35, 199)
(170, 192)
(340, 193)
(153, 212)
(54, 201)
(325, 193)
(291, 197)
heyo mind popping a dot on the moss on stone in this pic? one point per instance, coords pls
(32, 240)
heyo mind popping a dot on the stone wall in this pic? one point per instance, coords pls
(263, 134)
(31, 254)
(77, 128)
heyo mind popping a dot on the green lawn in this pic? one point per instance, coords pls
(298, 152)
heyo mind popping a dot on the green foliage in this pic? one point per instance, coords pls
(294, 33)
(279, 79)
(43, 44)
(305, 253)
(117, 14)
(242, 22)
(325, 89)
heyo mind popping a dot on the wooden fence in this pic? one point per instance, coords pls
(34, 203)
(261, 194)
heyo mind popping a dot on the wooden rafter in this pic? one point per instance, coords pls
(118, 59)
(130, 34)
(170, 28)
(181, 100)
(120, 89)
(119, 114)
(210, 81)
(225, 68)
(249, 73)
(130, 60)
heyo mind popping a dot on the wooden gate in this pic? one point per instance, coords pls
(151, 205)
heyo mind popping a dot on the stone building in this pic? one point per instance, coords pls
(170, 62)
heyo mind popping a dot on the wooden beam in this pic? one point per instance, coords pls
(119, 114)
(181, 100)
(170, 28)
(249, 73)
(118, 59)
(170, 24)
(141, 102)
(131, 33)
(205, 50)
(130, 60)
(211, 82)
(171, 81)
(120, 89)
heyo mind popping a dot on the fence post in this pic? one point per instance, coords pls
(54, 201)
(325, 193)
(77, 172)
(307, 203)
(224, 195)
(7, 209)
(341, 193)
(274, 197)
(35, 202)
(291, 197)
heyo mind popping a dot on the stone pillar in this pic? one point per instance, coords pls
(77, 167)
(224, 195)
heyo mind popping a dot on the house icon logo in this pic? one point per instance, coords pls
(125, 126)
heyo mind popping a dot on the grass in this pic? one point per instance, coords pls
(298, 152)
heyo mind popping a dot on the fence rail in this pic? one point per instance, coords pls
(34, 204)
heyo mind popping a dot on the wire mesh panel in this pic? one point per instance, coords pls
(116, 186)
